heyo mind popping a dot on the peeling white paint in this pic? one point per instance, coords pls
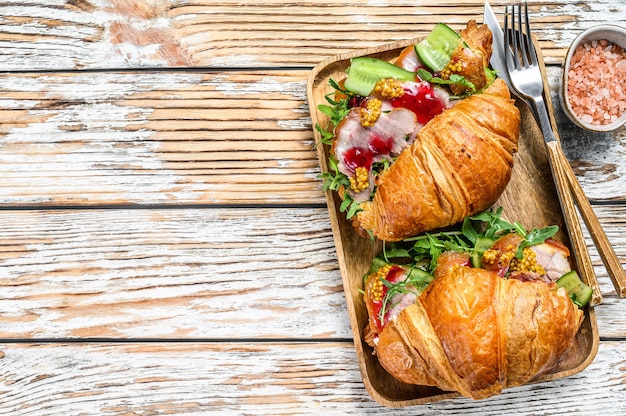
(120, 260)
(94, 147)
(232, 61)
(256, 379)
(17, 104)
(81, 40)
(380, 3)
(585, 16)
(269, 85)
(297, 124)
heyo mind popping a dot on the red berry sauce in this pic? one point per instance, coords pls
(364, 157)
(422, 100)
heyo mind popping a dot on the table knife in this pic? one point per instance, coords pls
(497, 55)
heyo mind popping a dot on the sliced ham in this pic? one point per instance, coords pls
(553, 256)
(396, 129)
(409, 60)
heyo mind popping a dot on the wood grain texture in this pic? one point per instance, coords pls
(131, 130)
(79, 34)
(196, 138)
(257, 379)
(194, 273)
(174, 138)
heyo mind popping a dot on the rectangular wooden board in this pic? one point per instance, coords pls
(530, 198)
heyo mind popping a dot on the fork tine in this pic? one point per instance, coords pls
(510, 62)
(515, 40)
(532, 54)
(512, 39)
(520, 38)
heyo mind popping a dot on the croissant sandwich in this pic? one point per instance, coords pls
(476, 328)
(422, 142)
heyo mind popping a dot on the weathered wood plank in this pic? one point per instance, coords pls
(170, 273)
(198, 137)
(78, 34)
(194, 137)
(193, 273)
(598, 159)
(258, 379)
(184, 137)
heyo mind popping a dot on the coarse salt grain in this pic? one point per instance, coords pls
(596, 79)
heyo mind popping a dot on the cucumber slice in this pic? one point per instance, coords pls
(377, 263)
(578, 292)
(420, 274)
(435, 50)
(364, 73)
(482, 244)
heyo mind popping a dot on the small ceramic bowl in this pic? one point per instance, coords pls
(611, 33)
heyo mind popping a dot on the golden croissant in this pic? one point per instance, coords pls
(459, 164)
(470, 330)
(450, 159)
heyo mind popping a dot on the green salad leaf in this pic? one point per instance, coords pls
(423, 251)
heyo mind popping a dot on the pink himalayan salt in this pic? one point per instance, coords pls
(595, 82)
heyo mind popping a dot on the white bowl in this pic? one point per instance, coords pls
(615, 35)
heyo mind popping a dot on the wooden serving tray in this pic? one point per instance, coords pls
(530, 198)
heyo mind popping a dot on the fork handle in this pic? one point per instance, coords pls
(609, 258)
(540, 111)
(559, 166)
(557, 163)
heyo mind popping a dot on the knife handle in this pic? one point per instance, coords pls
(561, 180)
(609, 258)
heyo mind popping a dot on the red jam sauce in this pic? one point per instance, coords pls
(361, 157)
(422, 100)
(394, 276)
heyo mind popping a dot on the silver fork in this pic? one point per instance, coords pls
(526, 78)
(523, 67)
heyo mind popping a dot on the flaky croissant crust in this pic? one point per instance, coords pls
(459, 165)
(476, 333)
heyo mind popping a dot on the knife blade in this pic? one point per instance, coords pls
(497, 56)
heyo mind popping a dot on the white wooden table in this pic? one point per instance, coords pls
(165, 246)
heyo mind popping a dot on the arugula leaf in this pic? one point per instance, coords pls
(494, 224)
(490, 74)
(536, 236)
(326, 109)
(384, 164)
(415, 282)
(394, 252)
(469, 231)
(424, 250)
(435, 251)
(345, 204)
(539, 236)
(496, 227)
(354, 207)
(327, 136)
(453, 79)
(334, 179)
(349, 205)
(336, 111)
